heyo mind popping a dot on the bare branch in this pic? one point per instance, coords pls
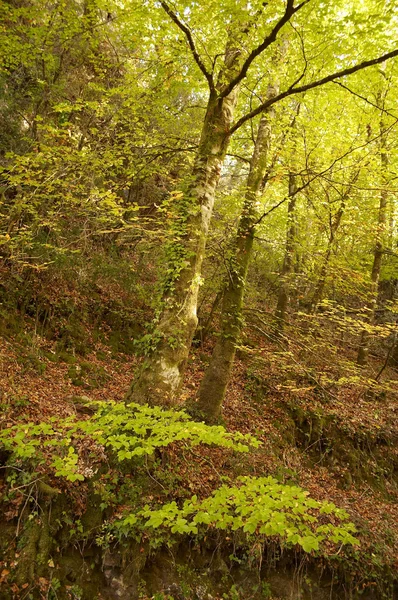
(322, 173)
(239, 157)
(304, 71)
(191, 43)
(289, 12)
(309, 86)
(268, 212)
(345, 87)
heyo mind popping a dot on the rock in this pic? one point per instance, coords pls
(201, 593)
(175, 591)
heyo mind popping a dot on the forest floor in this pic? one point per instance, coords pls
(338, 443)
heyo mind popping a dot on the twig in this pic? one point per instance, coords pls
(148, 473)
(365, 99)
(191, 43)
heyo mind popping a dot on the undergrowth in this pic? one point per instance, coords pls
(255, 505)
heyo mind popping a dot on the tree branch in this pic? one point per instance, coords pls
(345, 87)
(309, 86)
(191, 43)
(307, 183)
(242, 158)
(289, 12)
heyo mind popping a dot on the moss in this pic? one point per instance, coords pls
(44, 543)
(31, 362)
(51, 356)
(73, 336)
(66, 357)
(85, 576)
(87, 375)
(46, 490)
(76, 375)
(92, 518)
(11, 323)
(122, 341)
(25, 571)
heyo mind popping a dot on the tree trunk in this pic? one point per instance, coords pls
(215, 381)
(287, 268)
(160, 377)
(334, 226)
(204, 324)
(363, 350)
(394, 352)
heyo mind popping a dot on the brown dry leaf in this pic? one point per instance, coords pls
(3, 575)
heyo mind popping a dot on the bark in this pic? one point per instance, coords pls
(288, 262)
(394, 352)
(363, 350)
(214, 384)
(160, 377)
(204, 325)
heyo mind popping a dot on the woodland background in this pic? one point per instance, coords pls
(272, 313)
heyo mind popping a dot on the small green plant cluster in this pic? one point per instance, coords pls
(124, 431)
(258, 505)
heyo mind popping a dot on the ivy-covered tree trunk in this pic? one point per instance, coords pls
(363, 350)
(215, 381)
(160, 376)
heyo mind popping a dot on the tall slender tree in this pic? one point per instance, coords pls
(363, 350)
(215, 381)
(334, 224)
(288, 261)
